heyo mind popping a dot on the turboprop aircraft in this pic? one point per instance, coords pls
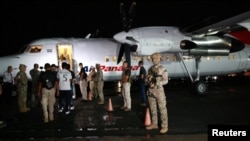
(104, 51)
(183, 56)
(200, 50)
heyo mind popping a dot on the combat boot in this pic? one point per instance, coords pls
(51, 118)
(152, 127)
(127, 109)
(22, 110)
(46, 120)
(27, 109)
(164, 130)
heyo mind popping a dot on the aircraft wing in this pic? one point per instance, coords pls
(236, 23)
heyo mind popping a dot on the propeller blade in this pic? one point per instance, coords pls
(121, 52)
(127, 54)
(126, 24)
(123, 17)
(131, 14)
(124, 49)
(127, 21)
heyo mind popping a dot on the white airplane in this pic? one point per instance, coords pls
(210, 55)
(104, 51)
(217, 49)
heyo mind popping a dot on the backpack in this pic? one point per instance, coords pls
(47, 80)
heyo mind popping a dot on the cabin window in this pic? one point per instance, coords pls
(114, 58)
(162, 58)
(218, 57)
(135, 58)
(142, 58)
(174, 58)
(167, 58)
(148, 58)
(35, 49)
(106, 59)
(231, 57)
(234, 57)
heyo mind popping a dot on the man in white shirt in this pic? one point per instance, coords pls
(64, 86)
(8, 80)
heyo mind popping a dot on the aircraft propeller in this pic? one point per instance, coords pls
(126, 24)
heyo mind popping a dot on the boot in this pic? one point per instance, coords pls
(46, 120)
(51, 119)
(22, 110)
(164, 130)
(152, 127)
(26, 108)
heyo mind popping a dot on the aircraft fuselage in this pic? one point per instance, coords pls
(104, 51)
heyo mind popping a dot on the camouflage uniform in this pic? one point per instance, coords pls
(91, 78)
(34, 73)
(22, 87)
(99, 84)
(157, 77)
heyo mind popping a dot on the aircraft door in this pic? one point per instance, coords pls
(65, 54)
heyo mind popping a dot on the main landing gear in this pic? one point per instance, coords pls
(198, 86)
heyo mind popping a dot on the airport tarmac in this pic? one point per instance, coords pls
(227, 103)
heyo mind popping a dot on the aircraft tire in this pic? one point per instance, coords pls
(200, 87)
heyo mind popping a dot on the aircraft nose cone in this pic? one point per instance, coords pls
(121, 37)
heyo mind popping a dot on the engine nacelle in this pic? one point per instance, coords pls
(187, 44)
(212, 45)
(203, 51)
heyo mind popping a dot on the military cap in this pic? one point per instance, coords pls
(97, 66)
(22, 65)
(156, 55)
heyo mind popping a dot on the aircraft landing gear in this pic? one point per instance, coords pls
(200, 87)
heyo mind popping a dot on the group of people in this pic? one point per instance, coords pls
(50, 83)
(155, 78)
(61, 84)
(91, 85)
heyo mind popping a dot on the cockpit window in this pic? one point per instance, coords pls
(35, 49)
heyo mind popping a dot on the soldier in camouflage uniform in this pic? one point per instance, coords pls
(157, 77)
(99, 84)
(22, 88)
(34, 73)
(91, 78)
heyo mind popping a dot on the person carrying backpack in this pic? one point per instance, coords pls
(46, 91)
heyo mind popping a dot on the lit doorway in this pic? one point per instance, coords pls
(65, 53)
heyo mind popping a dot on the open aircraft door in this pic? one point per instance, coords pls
(65, 53)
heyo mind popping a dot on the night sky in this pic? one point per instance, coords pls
(23, 21)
